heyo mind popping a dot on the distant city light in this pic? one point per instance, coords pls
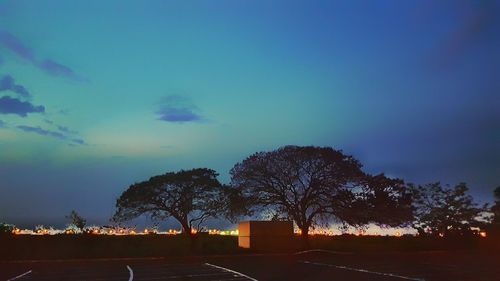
(120, 231)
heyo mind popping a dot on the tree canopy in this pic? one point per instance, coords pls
(311, 184)
(445, 211)
(189, 196)
(382, 201)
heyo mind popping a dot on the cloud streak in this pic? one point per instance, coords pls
(49, 66)
(178, 109)
(10, 105)
(48, 133)
(66, 130)
(12, 43)
(7, 83)
(57, 69)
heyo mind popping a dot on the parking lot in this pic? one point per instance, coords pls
(314, 265)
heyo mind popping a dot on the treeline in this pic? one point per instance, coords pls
(312, 186)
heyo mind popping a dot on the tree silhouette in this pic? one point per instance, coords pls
(77, 220)
(496, 207)
(445, 211)
(189, 196)
(6, 229)
(311, 184)
(383, 201)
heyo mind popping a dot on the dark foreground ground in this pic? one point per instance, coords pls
(299, 266)
(161, 257)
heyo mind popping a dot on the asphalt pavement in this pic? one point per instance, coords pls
(315, 265)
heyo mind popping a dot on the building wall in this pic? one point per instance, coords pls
(265, 235)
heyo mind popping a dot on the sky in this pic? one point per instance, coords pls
(97, 95)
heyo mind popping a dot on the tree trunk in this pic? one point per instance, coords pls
(193, 237)
(304, 235)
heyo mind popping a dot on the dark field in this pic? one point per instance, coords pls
(35, 247)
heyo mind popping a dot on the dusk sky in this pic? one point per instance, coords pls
(97, 95)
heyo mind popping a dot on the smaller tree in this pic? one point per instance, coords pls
(189, 196)
(445, 211)
(77, 220)
(6, 229)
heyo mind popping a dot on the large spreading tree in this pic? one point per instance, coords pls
(313, 184)
(189, 196)
(446, 211)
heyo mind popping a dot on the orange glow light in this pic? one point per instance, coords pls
(482, 234)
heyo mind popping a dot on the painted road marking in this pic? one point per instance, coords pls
(218, 274)
(231, 271)
(322, 251)
(363, 270)
(131, 272)
(20, 276)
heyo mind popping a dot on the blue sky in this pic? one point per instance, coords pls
(96, 95)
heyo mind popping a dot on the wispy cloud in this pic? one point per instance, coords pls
(63, 111)
(7, 83)
(53, 134)
(2, 124)
(57, 69)
(178, 115)
(478, 24)
(178, 109)
(12, 43)
(60, 128)
(10, 105)
(65, 129)
(49, 66)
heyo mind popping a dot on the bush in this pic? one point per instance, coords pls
(6, 228)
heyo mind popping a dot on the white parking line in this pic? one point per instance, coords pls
(363, 270)
(232, 271)
(19, 276)
(131, 272)
(322, 251)
(219, 274)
